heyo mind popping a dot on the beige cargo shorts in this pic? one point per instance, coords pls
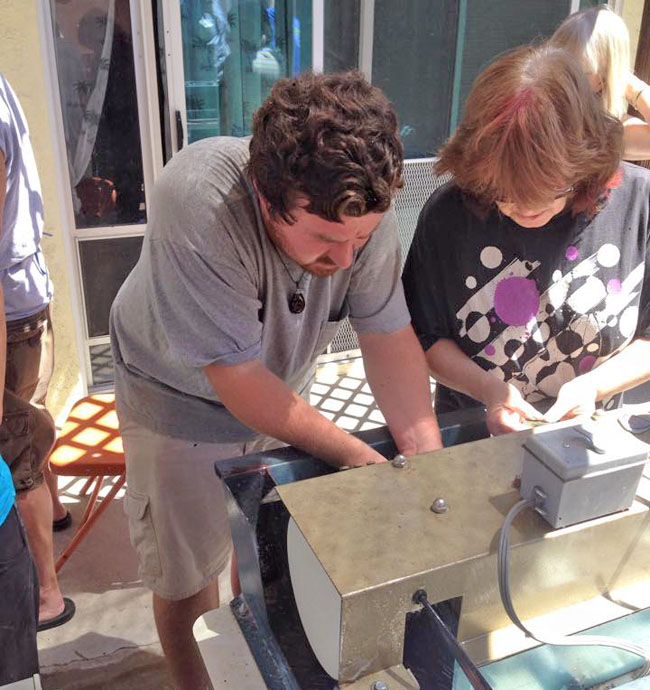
(176, 508)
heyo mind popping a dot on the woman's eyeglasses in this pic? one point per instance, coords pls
(558, 195)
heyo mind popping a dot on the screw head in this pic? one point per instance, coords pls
(241, 607)
(379, 685)
(439, 506)
(399, 461)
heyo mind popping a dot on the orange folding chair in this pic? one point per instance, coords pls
(90, 446)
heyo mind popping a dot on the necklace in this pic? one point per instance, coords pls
(297, 299)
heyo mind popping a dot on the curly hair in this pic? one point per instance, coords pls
(332, 138)
(532, 126)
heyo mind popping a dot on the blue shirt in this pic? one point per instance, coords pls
(23, 275)
(7, 492)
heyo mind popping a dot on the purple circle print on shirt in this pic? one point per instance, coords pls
(516, 300)
(586, 364)
(571, 253)
(614, 286)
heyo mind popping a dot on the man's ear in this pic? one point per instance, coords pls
(264, 204)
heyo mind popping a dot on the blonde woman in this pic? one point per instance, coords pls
(600, 39)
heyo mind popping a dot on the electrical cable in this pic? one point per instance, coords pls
(574, 641)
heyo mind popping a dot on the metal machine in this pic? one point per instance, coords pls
(385, 577)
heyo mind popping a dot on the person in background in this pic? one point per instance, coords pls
(528, 279)
(18, 588)
(256, 250)
(599, 39)
(27, 432)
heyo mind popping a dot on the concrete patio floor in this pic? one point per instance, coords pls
(112, 642)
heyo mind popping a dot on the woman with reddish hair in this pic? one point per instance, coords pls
(526, 279)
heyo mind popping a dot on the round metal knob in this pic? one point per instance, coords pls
(439, 506)
(379, 685)
(399, 461)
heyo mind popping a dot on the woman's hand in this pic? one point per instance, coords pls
(576, 397)
(507, 411)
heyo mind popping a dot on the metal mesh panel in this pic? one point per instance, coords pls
(419, 183)
(101, 364)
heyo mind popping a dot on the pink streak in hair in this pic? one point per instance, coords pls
(512, 111)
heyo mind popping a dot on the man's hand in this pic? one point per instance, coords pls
(507, 411)
(370, 457)
(576, 397)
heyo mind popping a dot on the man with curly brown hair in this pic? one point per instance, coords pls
(255, 251)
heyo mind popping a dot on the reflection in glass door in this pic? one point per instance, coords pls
(223, 56)
(101, 107)
(93, 45)
(233, 51)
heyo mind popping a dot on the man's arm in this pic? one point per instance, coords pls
(262, 401)
(397, 373)
(621, 372)
(506, 409)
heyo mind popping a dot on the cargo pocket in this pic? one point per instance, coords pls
(16, 443)
(143, 535)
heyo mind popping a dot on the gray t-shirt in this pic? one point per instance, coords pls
(210, 288)
(25, 281)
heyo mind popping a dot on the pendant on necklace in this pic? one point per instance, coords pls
(297, 303)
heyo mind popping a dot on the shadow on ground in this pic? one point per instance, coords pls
(144, 670)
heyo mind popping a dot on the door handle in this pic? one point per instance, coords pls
(179, 130)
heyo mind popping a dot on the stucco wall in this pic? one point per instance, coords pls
(632, 14)
(21, 61)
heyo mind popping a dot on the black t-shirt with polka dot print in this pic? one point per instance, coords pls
(536, 306)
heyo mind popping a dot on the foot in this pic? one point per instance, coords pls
(51, 604)
(62, 523)
(67, 614)
(59, 511)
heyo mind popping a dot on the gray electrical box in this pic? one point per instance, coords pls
(582, 471)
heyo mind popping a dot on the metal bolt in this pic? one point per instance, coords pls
(439, 506)
(379, 685)
(566, 444)
(399, 461)
(241, 607)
